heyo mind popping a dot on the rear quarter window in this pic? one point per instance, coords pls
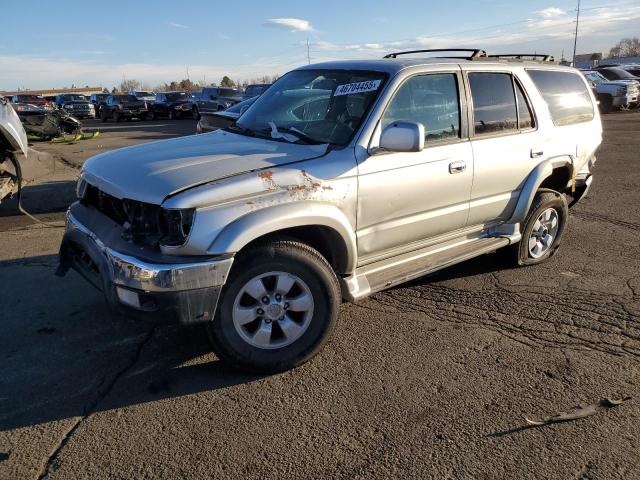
(566, 95)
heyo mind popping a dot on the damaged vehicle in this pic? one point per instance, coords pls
(45, 124)
(343, 179)
(13, 141)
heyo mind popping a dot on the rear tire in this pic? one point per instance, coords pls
(542, 230)
(289, 315)
(116, 117)
(195, 113)
(103, 115)
(151, 115)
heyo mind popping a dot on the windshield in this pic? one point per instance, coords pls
(172, 97)
(75, 98)
(320, 106)
(125, 98)
(145, 94)
(29, 98)
(230, 92)
(623, 73)
(595, 77)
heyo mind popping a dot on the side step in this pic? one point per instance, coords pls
(402, 268)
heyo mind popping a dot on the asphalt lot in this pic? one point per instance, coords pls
(428, 380)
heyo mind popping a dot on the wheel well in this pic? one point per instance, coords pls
(558, 180)
(324, 239)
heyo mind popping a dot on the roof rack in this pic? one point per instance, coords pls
(475, 52)
(525, 56)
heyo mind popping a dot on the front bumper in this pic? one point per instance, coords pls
(625, 100)
(188, 289)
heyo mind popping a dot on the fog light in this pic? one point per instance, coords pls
(128, 297)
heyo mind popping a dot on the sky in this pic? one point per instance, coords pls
(47, 44)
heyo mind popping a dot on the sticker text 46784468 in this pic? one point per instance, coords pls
(358, 87)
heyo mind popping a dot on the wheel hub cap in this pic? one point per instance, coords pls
(544, 233)
(273, 310)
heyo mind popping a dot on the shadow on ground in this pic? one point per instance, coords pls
(64, 354)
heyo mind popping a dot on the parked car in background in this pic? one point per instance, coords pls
(255, 89)
(213, 121)
(633, 69)
(78, 105)
(174, 105)
(214, 99)
(98, 99)
(616, 73)
(123, 107)
(345, 178)
(613, 93)
(143, 95)
(36, 100)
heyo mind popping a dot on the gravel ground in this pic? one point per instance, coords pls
(428, 380)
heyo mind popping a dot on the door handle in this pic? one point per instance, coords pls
(457, 167)
(536, 152)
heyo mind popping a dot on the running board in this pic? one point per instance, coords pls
(403, 268)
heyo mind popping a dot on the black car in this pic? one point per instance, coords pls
(616, 73)
(77, 105)
(171, 104)
(215, 99)
(222, 119)
(118, 107)
(98, 99)
(255, 90)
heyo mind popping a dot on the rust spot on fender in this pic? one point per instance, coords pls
(267, 178)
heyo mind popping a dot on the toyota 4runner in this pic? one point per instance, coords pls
(343, 179)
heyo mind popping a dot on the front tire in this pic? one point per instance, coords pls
(542, 229)
(278, 308)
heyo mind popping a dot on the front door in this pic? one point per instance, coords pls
(405, 199)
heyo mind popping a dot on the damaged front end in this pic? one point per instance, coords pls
(13, 140)
(114, 244)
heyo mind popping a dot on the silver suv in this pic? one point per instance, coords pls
(343, 179)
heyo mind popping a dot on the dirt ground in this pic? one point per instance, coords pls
(428, 380)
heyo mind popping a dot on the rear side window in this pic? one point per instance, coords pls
(525, 117)
(494, 103)
(431, 100)
(566, 95)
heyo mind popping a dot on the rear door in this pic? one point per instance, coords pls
(505, 140)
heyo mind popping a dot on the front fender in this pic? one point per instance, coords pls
(242, 231)
(538, 175)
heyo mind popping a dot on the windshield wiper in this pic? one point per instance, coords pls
(234, 127)
(291, 134)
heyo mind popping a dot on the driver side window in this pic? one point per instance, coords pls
(431, 100)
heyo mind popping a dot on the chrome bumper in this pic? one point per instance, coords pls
(192, 289)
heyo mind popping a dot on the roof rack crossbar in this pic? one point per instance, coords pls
(475, 52)
(519, 56)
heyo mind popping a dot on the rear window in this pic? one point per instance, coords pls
(566, 95)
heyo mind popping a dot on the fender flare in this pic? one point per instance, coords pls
(539, 174)
(249, 227)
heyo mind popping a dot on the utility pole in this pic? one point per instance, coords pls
(308, 56)
(575, 38)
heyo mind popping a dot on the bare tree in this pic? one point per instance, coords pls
(627, 47)
(128, 85)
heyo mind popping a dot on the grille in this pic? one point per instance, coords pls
(143, 223)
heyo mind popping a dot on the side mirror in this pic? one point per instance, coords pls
(403, 137)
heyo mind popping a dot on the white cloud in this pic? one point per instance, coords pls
(551, 12)
(178, 25)
(223, 36)
(291, 24)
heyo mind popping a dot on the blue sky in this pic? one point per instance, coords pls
(55, 44)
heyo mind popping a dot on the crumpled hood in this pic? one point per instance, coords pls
(153, 171)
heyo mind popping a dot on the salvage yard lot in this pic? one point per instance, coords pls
(427, 380)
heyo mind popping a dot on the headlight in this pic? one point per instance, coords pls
(68, 105)
(81, 188)
(622, 91)
(91, 107)
(175, 226)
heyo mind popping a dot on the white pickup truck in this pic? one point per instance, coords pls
(613, 93)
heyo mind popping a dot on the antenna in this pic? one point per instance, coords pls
(308, 56)
(575, 37)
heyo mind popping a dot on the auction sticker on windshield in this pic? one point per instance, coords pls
(359, 87)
